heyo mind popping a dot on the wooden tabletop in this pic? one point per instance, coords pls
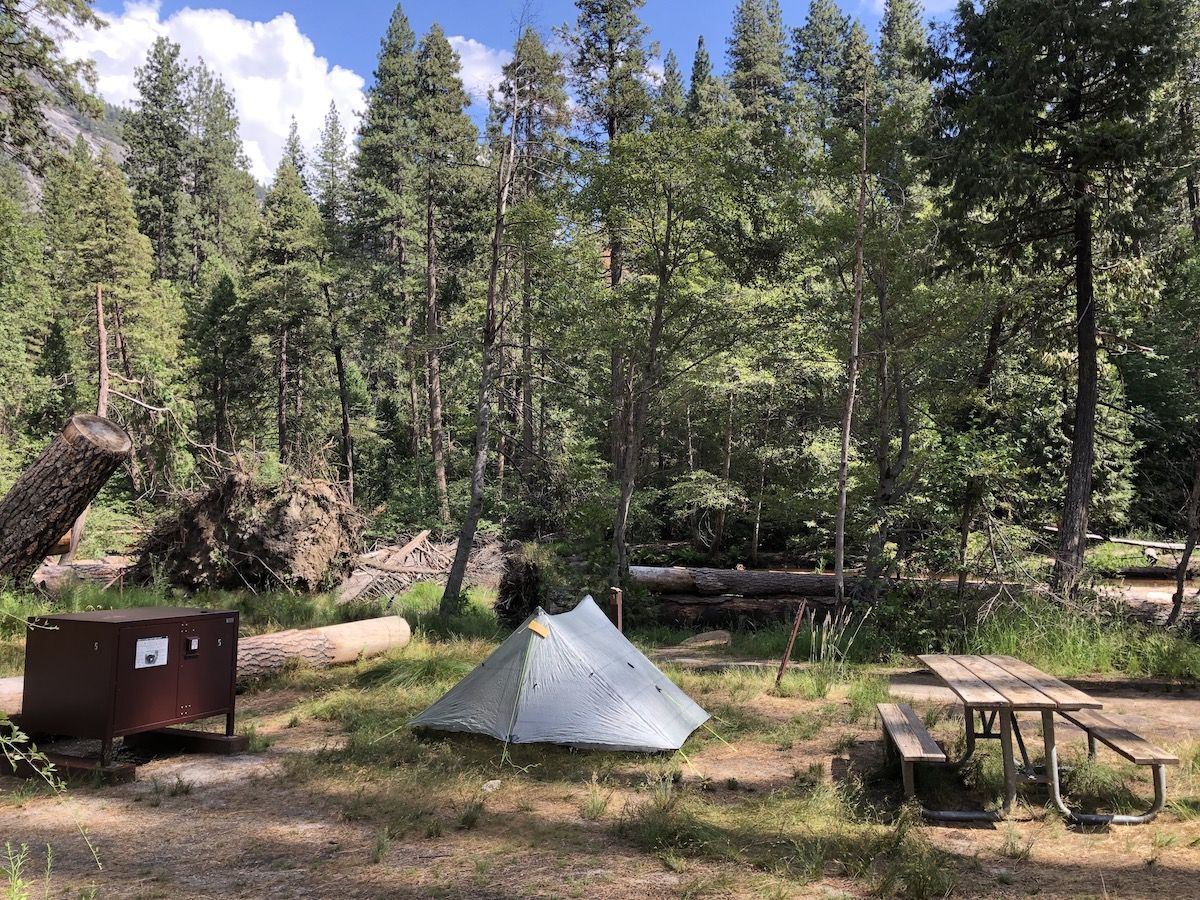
(1004, 682)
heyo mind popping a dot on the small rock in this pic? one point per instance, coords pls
(490, 787)
(709, 639)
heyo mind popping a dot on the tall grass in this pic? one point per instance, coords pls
(1068, 642)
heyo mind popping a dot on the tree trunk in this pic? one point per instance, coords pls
(839, 558)
(1193, 534)
(719, 527)
(102, 376)
(433, 362)
(451, 600)
(281, 371)
(343, 391)
(265, 654)
(526, 371)
(1068, 565)
(637, 402)
(56, 489)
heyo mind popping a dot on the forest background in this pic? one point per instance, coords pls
(908, 301)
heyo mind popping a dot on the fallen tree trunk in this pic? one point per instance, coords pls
(52, 493)
(728, 609)
(763, 583)
(747, 583)
(264, 654)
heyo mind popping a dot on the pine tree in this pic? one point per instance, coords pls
(1068, 90)
(221, 212)
(25, 318)
(609, 62)
(337, 281)
(756, 60)
(331, 170)
(386, 226)
(818, 60)
(707, 102)
(293, 152)
(156, 133)
(284, 285)
(445, 145)
(34, 73)
(670, 101)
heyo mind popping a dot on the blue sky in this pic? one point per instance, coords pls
(288, 59)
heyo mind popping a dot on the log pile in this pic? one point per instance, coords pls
(390, 570)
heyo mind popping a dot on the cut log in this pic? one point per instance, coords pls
(266, 653)
(55, 489)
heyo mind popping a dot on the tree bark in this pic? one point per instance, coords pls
(719, 527)
(281, 371)
(839, 557)
(451, 599)
(526, 371)
(339, 363)
(433, 362)
(1068, 565)
(56, 489)
(102, 377)
(1193, 534)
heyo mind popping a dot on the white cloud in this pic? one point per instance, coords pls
(272, 68)
(481, 65)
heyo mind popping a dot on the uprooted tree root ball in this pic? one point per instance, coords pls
(244, 532)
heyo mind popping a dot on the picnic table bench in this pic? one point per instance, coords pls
(995, 689)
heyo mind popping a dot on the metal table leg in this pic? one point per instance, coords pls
(1160, 786)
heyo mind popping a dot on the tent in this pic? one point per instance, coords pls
(569, 679)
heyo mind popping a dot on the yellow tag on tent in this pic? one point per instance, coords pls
(539, 629)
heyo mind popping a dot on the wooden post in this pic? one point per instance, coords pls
(614, 602)
(787, 654)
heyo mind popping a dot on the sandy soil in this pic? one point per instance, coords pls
(244, 827)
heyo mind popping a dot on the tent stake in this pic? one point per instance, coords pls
(787, 654)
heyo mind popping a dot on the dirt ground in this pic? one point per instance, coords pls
(259, 825)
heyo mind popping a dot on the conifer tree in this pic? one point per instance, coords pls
(609, 62)
(156, 133)
(818, 60)
(1066, 88)
(670, 100)
(707, 102)
(284, 284)
(293, 152)
(221, 211)
(756, 60)
(331, 170)
(445, 145)
(386, 226)
(25, 317)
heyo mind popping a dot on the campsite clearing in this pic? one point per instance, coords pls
(786, 796)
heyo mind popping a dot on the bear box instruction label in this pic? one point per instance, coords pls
(151, 652)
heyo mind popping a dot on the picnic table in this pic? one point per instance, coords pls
(993, 690)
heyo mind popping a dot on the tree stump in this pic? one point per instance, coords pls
(55, 489)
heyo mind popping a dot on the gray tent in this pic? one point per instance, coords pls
(569, 679)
